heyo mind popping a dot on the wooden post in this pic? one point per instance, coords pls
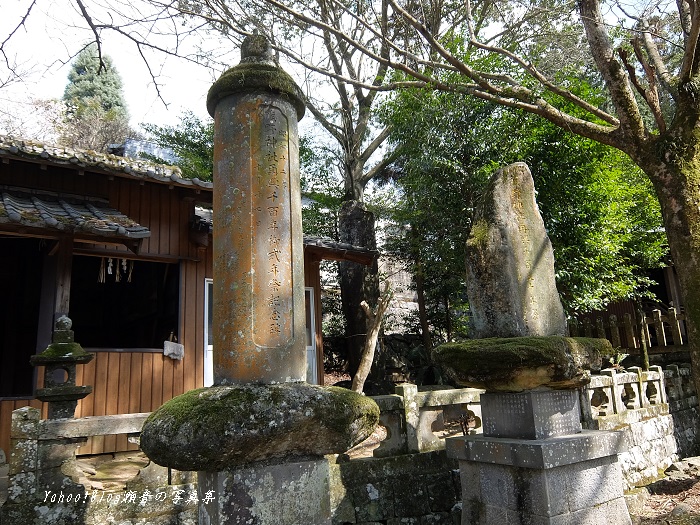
(614, 332)
(675, 326)
(643, 336)
(629, 331)
(600, 328)
(573, 327)
(659, 328)
(64, 267)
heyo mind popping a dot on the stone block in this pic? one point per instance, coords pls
(531, 415)
(430, 420)
(545, 453)
(593, 483)
(52, 453)
(280, 494)
(441, 495)
(411, 497)
(440, 518)
(404, 521)
(23, 456)
(373, 501)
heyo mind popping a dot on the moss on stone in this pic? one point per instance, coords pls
(223, 426)
(58, 352)
(495, 363)
(254, 77)
(479, 234)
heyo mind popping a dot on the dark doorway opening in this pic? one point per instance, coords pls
(110, 313)
(20, 282)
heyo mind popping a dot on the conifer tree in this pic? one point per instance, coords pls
(96, 114)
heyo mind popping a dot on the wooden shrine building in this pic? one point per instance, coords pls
(122, 246)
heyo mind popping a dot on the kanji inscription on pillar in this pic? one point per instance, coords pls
(271, 224)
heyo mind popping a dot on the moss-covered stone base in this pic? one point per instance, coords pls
(516, 364)
(220, 427)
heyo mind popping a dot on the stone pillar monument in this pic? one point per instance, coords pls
(258, 240)
(533, 463)
(258, 436)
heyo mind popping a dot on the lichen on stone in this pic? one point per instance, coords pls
(522, 363)
(254, 78)
(223, 426)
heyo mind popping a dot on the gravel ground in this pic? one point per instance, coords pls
(674, 500)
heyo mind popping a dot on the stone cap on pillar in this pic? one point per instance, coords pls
(257, 72)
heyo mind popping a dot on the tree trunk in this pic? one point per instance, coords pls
(374, 323)
(357, 282)
(422, 311)
(673, 165)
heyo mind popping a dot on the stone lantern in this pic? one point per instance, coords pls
(60, 359)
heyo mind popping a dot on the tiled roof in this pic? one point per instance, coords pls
(325, 243)
(92, 160)
(68, 215)
(328, 247)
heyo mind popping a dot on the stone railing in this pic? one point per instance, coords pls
(39, 447)
(614, 393)
(656, 409)
(417, 421)
(662, 332)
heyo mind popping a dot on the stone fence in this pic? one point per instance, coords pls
(662, 332)
(656, 410)
(418, 421)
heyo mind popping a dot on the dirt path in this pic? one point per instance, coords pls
(674, 500)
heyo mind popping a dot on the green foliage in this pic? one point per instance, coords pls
(192, 141)
(600, 211)
(321, 187)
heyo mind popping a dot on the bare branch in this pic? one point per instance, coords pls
(22, 23)
(95, 31)
(655, 56)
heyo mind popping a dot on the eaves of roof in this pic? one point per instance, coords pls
(61, 215)
(18, 148)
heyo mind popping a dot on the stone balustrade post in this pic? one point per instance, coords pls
(616, 389)
(411, 413)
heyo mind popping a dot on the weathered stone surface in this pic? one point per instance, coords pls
(225, 426)
(405, 489)
(517, 364)
(531, 415)
(288, 493)
(588, 492)
(510, 264)
(537, 454)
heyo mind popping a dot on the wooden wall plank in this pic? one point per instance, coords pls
(167, 380)
(174, 224)
(188, 322)
(154, 220)
(123, 390)
(87, 403)
(137, 379)
(144, 216)
(99, 390)
(157, 386)
(163, 223)
(6, 408)
(146, 383)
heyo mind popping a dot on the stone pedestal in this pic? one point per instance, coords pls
(541, 469)
(288, 493)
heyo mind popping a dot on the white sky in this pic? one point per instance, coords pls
(46, 44)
